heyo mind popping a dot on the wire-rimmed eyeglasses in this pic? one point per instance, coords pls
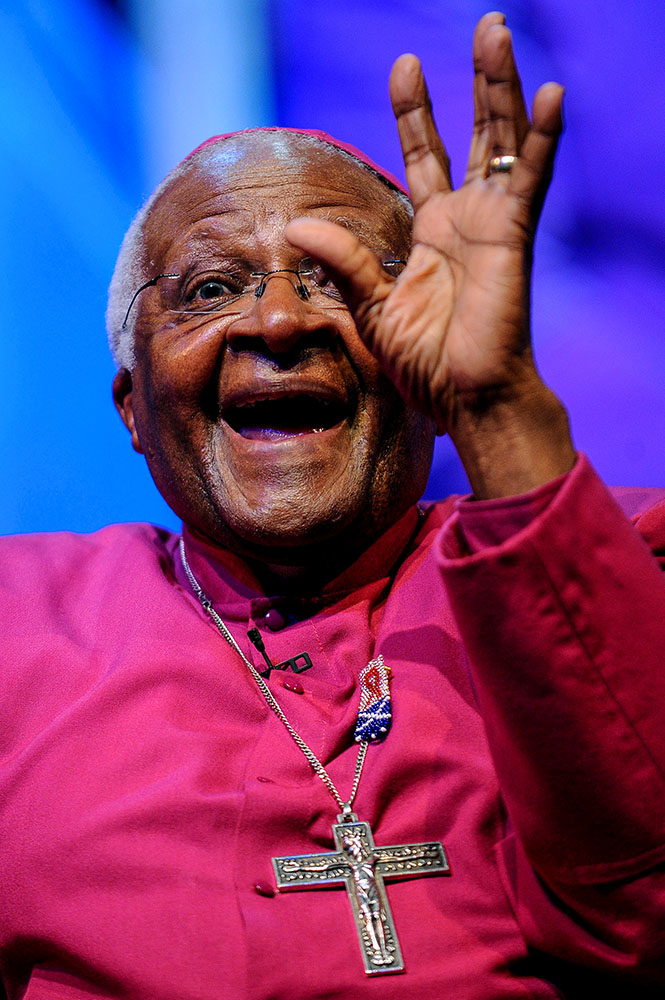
(219, 290)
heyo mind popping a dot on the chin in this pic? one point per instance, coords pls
(291, 522)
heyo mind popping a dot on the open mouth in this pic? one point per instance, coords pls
(284, 416)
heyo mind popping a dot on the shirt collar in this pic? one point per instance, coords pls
(233, 588)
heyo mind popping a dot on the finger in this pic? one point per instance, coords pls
(425, 157)
(353, 267)
(480, 153)
(509, 121)
(532, 172)
(503, 120)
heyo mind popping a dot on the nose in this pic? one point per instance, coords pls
(280, 319)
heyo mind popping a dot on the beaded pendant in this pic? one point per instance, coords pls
(375, 711)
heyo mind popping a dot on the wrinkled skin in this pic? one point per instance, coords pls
(288, 498)
(452, 334)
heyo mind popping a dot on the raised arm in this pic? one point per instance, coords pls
(453, 331)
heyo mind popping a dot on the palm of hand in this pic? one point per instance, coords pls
(455, 321)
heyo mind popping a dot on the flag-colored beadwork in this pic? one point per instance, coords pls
(375, 711)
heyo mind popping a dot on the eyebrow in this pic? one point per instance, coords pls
(358, 227)
(206, 244)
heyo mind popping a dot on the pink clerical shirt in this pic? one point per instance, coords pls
(145, 785)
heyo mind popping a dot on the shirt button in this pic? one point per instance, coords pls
(264, 889)
(274, 620)
(294, 686)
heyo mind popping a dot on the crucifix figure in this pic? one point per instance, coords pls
(363, 867)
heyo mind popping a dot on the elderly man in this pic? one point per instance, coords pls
(440, 725)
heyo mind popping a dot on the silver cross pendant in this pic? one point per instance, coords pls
(363, 868)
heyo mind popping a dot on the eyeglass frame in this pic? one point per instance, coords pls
(300, 287)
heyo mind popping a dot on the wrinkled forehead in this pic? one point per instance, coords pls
(246, 177)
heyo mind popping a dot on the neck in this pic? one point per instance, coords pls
(298, 580)
(308, 571)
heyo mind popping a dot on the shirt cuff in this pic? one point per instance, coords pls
(485, 523)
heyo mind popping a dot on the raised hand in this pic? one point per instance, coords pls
(453, 331)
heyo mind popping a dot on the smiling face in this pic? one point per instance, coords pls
(268, 427)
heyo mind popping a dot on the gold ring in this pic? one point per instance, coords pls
(502, 164)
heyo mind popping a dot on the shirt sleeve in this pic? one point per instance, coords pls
(491, 522)
(563, 620)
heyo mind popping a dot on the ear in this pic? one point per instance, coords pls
(122, 397)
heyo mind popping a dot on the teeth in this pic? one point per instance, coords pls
(318, 430)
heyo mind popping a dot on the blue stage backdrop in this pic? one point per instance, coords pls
(98, 100)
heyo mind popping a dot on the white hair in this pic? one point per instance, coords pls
(131, 271)
(134, 267)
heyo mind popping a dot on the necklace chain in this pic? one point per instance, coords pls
(311, 757)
